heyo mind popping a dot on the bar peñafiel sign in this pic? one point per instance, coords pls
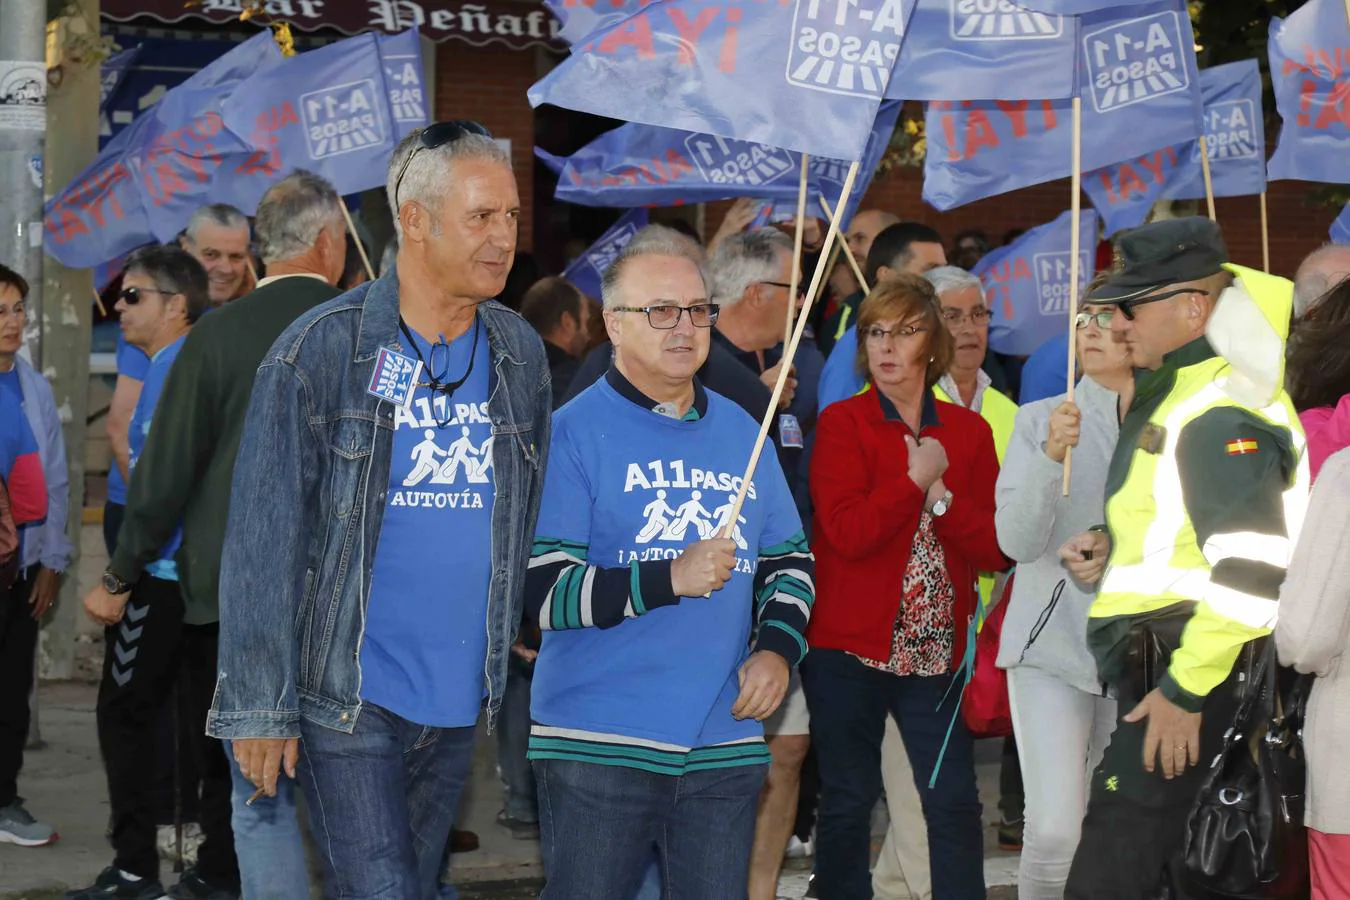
(518, 24)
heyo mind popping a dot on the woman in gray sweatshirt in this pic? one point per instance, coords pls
(1061, 714)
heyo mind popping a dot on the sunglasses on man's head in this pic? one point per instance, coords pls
(435, 135)
(132, 295)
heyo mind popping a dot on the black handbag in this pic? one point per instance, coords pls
(1245, 837)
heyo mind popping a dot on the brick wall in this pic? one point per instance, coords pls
(488, 84)
(1295, 226)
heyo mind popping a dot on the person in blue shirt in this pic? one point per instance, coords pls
(147, 643)
(132, 364)
(1046, 373)
(672, 618)
(44, 554)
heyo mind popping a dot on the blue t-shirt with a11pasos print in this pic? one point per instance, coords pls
(425, 641)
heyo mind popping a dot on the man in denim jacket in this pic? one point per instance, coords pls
(384, 498)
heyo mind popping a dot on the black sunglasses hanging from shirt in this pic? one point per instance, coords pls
(438, 134)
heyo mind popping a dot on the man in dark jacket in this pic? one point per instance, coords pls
(185, 471)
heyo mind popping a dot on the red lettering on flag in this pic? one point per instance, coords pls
(1334, 107)
(635, 32)
(1016, 111)
(690, 31)
(979, 133)
(678, 164)
(726, 60)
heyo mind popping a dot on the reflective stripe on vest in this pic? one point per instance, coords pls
(1156, 560)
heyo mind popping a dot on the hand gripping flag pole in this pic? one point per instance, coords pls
(790, 350)
(795, 278)
(1075, 201)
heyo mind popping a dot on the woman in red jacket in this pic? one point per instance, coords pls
(903, 487)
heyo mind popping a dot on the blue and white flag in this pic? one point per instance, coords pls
(145, 183)
(984, 50)
(641, 165)
(111, 73)
(1235, 135)
(401, 55)
(1308, 68)
(326, 110)
(1340, 228)
(587, 269)
(582, 18)
(810, 81)
(1074, 7)
(1140, 93)
(1027, 283)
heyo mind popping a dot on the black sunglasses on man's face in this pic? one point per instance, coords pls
(1127, 306)
(438, 134)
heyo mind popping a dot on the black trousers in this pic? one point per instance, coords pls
(1134, 832)
(18, 644)
(146, 653)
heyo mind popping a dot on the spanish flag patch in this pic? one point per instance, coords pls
(1241, 446)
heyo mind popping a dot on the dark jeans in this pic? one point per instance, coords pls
(513, 741)
(1135, 828)
(598, 824)
(849, 704)
(146, 653)
(382, 800)
(18, 644)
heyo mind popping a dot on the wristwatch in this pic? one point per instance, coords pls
(114, 585)
(943, 504)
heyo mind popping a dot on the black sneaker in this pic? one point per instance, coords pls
(812, 889)
(111, 883)
(1010, 835)
(520, 829)
(192, 886)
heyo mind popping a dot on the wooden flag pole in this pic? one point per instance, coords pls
(360, 248)
(848, 251)
(1075, 204)
(98, 301)
(795, 278)
(1265, 230)
(1209, 183)
(789, 352)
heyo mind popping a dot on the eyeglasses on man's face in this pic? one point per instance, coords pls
(666, 316)
(132, 295)
(1127, 307)
(979, 315)
(801, 288)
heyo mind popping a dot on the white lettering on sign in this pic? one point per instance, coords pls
(403, 78)
(1052, 280)
(723, 161)
(307, 9)
(1136, 60)
(1230, 130)
(1001, 20)
(469, 19)
(341, 119)
(847, 50)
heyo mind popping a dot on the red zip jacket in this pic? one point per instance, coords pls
(867, 510)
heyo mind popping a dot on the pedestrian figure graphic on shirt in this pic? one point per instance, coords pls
(425, 455)
(461, 452)
(659, 515)
(477, 472)
(690, 513)
(722, 515)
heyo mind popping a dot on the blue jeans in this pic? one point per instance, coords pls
(598, 824)
(513, 741)
(849, 704)
(381, 801)
(267, 839)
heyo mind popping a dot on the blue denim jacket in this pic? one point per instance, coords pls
(308, 500)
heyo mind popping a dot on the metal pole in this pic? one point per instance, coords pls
(23, 130)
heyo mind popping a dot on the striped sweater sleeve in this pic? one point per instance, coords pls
(562, 591)
(785, 591)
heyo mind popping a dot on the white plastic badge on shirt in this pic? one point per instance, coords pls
(395, 377)
(790, 431)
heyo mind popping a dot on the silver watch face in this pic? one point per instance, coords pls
(112, 584)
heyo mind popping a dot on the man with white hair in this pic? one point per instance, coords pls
(648, 689)
(217, 235)
(369, 636)
(185, 471)
(1319, 272)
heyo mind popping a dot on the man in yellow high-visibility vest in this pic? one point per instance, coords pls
(1205, 496)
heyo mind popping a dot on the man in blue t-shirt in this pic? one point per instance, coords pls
(132, 364)
(146, 642)
(672, 616)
